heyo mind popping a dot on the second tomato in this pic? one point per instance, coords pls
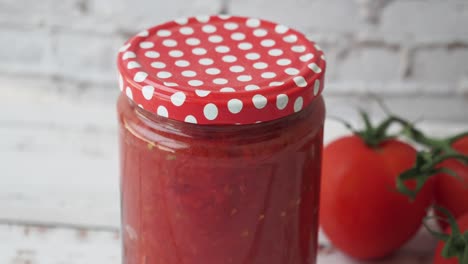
(452, 192)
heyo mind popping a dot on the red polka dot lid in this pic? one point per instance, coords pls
(221, 70)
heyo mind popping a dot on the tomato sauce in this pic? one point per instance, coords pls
(220, 194)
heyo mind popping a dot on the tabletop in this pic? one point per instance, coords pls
(59, 199)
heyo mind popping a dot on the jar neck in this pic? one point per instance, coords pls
(314, 112)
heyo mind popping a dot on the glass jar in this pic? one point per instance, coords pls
(211, 176)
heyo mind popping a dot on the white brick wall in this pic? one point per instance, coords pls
(23, 50)
(324, 16)
(416, 19)
(85, 57)
(414, 53)
(441, 64)
(369, 64)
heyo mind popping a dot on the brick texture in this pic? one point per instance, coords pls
(412, 53)
(441, 64)
(428, 18)
(325, 16)
(22, 47)
(85, 57)
(373, 64)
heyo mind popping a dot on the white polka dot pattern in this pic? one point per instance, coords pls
(181, 21)
(121, 82)
(128, 55)
(316, 87)
(186, 30)
(210, 111)
(268, 75)
(252, 22)
(152, 54)
(140, 76)
(163, 33)
(147, 91)
(221, 70)
(146, 45)
(251, 87)
(202, 93)
(190, 119)
(164, 74)
(162, 111)
(260, 65)
(178, 98)
(276, 83)
(143, 33)
(133, 65)
(128, 92)
(298, 104)
(182, 63)
(215, 38)
(238, 36)
(236, 68)
(227, 90)
(235, 106)
(281, 101)
(189, 73)
(220, 81)
(192, 41)
(283, 62)
(199, 51)
(158, 65)
(245, 46)
(169, 43)
(195, 83)
(300, 81)
(205, 61)
(259, 101)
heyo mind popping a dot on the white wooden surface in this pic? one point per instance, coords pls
(25, 244)
(59, 201)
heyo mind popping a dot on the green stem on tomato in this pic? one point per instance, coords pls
(444, 144)
(371, 135)
(425, 167)
(381, 130)
(445, 156)
(440, 150)
(367, 122)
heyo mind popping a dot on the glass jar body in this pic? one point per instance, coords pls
(242, 194)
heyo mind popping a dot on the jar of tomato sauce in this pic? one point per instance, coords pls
(221, 126)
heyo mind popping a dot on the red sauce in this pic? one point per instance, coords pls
(207, 194)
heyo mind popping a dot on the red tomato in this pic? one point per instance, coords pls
(438, 259)
(360, 211)
(451, 192)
